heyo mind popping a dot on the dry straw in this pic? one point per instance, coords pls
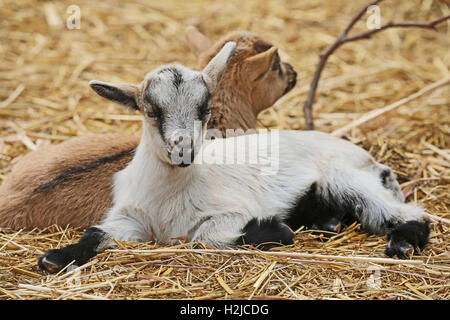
(382, 94)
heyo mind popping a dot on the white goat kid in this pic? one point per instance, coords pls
(319, 181)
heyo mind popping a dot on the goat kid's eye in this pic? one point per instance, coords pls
(205, 111)
(276, 66)
(151, 115)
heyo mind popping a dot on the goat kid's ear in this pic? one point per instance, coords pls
(260, 63)
(215, 69)
(124, 94)
(196, 40)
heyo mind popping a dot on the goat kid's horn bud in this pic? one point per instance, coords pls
(215, 69)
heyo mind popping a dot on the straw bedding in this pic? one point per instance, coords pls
(44, 98)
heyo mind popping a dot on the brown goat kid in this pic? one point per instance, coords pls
(70, 183)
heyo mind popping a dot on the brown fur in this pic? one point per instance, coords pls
(24, 205)
(70, 183)
(248, 86)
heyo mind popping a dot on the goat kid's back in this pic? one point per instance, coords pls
(65, 179)
(162, 194)
(70, 183)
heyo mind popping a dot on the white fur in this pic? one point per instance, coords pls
(212, 203)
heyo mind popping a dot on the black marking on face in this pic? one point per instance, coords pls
(166, 96)
(156, 111)
(161, 125)
(204, 107)
(73, 173)
(177, 77)
(266, 233)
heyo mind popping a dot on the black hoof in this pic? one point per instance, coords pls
(328, 228)
(407, 238)
(92, 242)
(266, 234)
(54, 260)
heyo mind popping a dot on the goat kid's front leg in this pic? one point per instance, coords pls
(93, 241)
(119, 224)
(266, 233)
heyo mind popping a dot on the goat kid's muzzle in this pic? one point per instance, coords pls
(292, 78)
(180, 150)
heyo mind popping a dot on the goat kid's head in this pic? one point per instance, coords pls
(175, 102)
(255, 73)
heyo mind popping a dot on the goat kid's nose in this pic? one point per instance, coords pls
(180, 150)
(180, 142)
(292, 77)
(175, 141)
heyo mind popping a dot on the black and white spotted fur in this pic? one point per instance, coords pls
(319, 181)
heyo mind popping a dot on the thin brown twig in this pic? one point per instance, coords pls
(344, 38)
(425, 25)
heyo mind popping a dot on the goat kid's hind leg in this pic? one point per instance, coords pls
(380, 212)
(407, 238)
(318, 209)
(94, 240)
